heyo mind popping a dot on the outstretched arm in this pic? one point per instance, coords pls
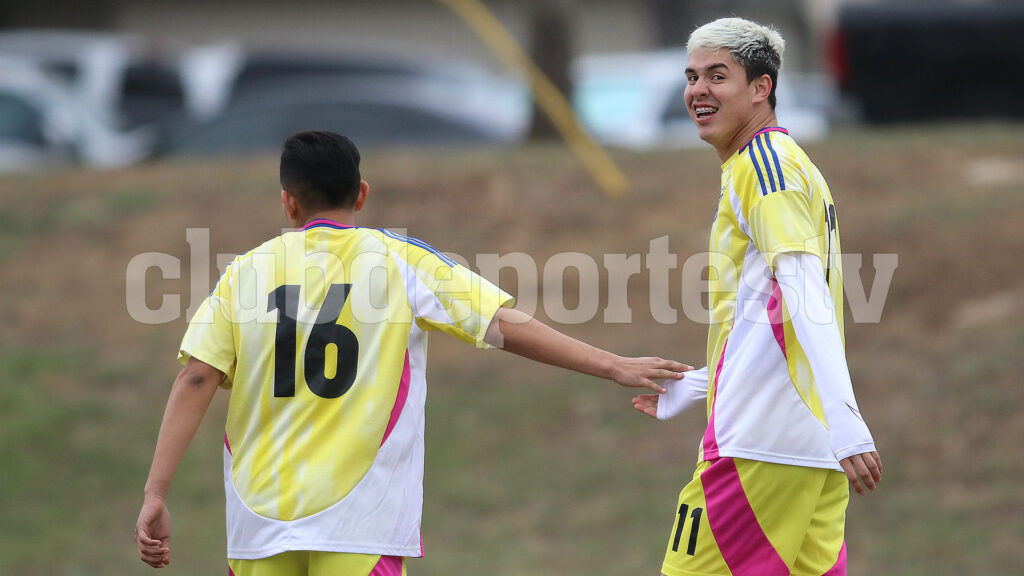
(190, 397)
(516, 332)
(807, 298)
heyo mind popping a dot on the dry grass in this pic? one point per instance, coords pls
(530, 470)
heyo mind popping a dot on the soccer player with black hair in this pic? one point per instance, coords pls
(320, 334)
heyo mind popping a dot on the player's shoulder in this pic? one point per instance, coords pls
(771, 161)
(409, 248)
(266, 247)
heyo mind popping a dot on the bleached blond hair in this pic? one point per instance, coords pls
(757, 48)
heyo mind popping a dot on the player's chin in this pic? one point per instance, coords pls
(707, 133)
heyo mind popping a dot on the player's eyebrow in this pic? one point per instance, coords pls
(709, 68)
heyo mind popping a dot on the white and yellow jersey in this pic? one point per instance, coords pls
(321, 335)
(763, 401)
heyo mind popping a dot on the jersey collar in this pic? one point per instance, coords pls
(764, 131)
(324, 223)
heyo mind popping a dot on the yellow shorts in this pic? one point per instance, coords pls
(306, 563)
(744, 517)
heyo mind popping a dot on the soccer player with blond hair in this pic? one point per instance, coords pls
(320, 334)
(785, 438)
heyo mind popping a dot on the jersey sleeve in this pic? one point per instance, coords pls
(449, 297)
(777, 202)
(683, 393)
(209, 337)
(817, 331)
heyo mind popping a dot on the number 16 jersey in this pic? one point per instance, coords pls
(321, 335)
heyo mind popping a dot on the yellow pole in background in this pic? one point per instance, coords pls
(551, 101)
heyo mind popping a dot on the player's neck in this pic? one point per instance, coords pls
(342, 216)
(758, 122)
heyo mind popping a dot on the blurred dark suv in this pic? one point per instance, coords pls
(931, 60)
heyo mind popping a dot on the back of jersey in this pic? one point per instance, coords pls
(320, 333)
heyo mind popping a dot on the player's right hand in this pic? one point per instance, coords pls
(153, 533)
(647, 403)
(863, 471)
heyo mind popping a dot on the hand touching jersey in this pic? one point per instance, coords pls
(680, 394)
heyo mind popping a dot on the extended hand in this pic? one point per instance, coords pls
(642, 372)
(647, 403)
(153, 533)
(863, 470)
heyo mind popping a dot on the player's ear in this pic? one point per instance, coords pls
(762, 88)
(290, 205)
(364, 191)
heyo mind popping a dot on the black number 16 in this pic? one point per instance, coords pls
(326, 331)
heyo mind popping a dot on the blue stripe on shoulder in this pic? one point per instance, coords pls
(767, 165)
(778, 165)
(421, 244)
(753, 160)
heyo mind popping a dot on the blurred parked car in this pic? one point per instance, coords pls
(635, 100)
(219, 72)
(133, 79)
(374, 112)
(42, 124)
(909, 61)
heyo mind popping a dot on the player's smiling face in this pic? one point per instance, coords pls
(719, 98)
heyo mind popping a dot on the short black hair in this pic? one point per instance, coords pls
(761, 60)
(321, 169)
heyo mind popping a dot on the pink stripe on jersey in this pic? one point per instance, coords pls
(388, 566)
(744, 546)
(403, 393)
(840, 568)
(227, 444)
(230, 571)
(775, 316)
(710, 442)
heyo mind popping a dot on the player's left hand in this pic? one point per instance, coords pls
(863, 471)
(642, 372)
(153, 533)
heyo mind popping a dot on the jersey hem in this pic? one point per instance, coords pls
(775, 459)
(507, 301)
(405, 551)
(223, 366)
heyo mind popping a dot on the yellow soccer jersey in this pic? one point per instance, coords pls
(763, 403)
(321, 335)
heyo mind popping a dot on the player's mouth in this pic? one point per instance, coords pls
(704, 112)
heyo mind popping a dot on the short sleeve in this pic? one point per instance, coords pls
(449, 297)
(209, 337)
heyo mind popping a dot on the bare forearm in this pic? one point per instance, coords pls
(520, 334)
(190, 397)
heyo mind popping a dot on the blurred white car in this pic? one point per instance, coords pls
(635, 100)
(133, 79)
(42, 124)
